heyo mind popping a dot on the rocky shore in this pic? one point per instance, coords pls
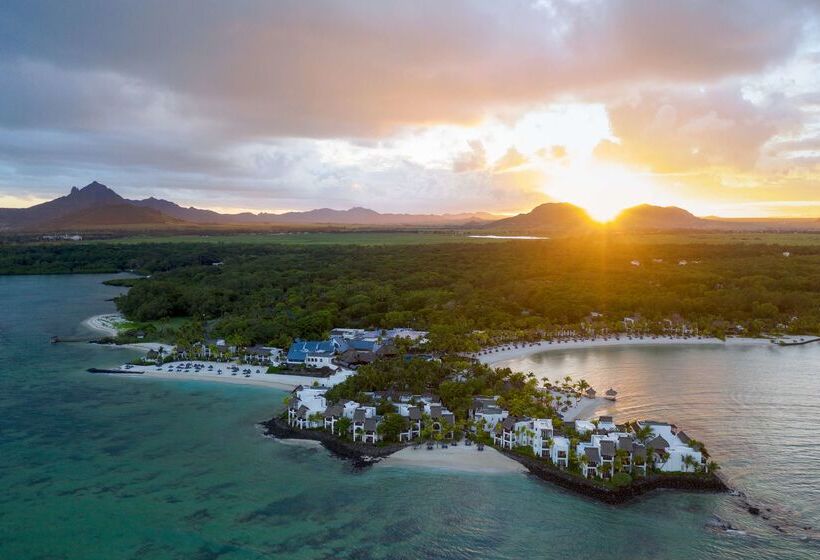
(356, 452)
(580, 485)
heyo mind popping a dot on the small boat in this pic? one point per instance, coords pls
(611, 394)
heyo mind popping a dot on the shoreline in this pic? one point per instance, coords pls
(461, 458)
(493, 357)
(358, 453)
(616, 496)
(501, 462)
(104, 324)
(258, 375)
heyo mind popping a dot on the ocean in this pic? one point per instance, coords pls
(95, 466)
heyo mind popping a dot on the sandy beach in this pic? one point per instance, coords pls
(104, 324)
(460, 458)
(508, 352)
(220, 372)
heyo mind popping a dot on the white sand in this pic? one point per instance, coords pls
(105, 324)
(509, 352)
(256, 377)
(583, 409)
(459, 458)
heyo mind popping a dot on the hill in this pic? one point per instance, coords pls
(658, 218)
(552, 217)
(110, 216)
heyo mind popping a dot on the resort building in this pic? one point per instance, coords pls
(671, 449)
(413, 415)
(485, 411)
(559, 452)
(584, 427)
(590, 459)
(307, 407)
(541, 436)
(606, 424)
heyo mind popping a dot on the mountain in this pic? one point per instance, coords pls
(552, 217)
(92, 195)
(647, 218)
(353, 216)
(190, 214)
(96, 206)
(110, 215)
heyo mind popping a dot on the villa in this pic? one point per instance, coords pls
(584, 426)
(672, 449)
(485, 410)
(604, 447)
(559, 452)
(542, 436)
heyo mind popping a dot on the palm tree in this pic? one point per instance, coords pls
(316, 418)
(643, 433)
(620, 456)
(343, 426)
(689, 461)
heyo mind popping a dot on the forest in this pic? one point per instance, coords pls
(467, 295)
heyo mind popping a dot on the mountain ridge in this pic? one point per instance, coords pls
(97, 206)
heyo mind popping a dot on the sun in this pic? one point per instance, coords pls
(602, 189)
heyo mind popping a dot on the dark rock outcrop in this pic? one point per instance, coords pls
(638, 487)
(354, 451)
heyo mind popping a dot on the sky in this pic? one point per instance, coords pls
(422, 107)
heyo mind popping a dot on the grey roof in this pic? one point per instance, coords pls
(483, 403)
(592, 454)
(611, 392)
(607, 448)
(414, 413)
(359, 415)
(658, 443)
(449, 417)
(435, 411)
(489, 410)
(638, 450)
(625, 443)
(294, 403)
(334, 410)
(370, 424)
(683, 437)
(605, 419)
(509, 422)
(302, 412)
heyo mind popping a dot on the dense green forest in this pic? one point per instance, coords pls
(466, 294)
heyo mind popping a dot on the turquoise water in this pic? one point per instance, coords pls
(104, 467)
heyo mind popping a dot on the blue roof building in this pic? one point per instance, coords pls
(299, 350)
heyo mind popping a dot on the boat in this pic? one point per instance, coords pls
(611, 394)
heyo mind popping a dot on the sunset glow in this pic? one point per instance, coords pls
(502, 107)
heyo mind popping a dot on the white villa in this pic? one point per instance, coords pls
(486, 410)
(670, 448)
(307, 407)
(604, 447)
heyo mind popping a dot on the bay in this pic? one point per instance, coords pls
(106, 467)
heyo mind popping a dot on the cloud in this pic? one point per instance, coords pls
(510, 160)
(292, 104)
(474, 159)
(325, 69)
(674, 130)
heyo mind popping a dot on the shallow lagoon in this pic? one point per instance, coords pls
(105, 467)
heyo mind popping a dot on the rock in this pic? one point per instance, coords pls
(754, 510)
